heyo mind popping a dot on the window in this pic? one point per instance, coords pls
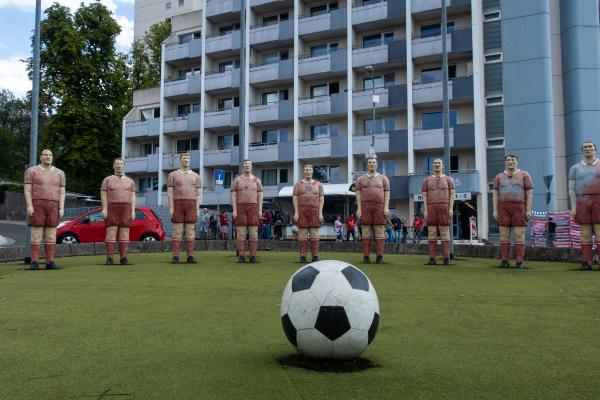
(322, 49)
(180, 3)
(270, 137)
(228, 65)
(493, 58)
(149, 113)
(283, 175)
(139, 214)
(183, 110)
(269, 177)
(145, 184)
(274, 97)
(326, 173)
(495, 143)
(435, 29)
(185, 145)
(196, 107)
(427, 164)
(324, 89)
(168, 5)
(434, 120)
(334, 173)
(275, 56)
(491, 16)
(323, 8)
(377, 39)
(224, 30)
(321, 131)
(228, 103)
(385, 124)
(183, 73)
(148, 148)
(494, 100)
(228, 141)
(273, 19)
(227, 179)
(431, 75)
(379, 81)
(186, 38)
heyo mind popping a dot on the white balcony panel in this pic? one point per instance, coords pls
(429, 46)
(262, 34)
(369, 13)
(315, 65)
(430, 139)
(363, 100)
(430, 92)
(211, 197)
(263, 113)
(369, 56)
(136, 164)
(316, 106)
(266, 153)
(217, 157)
(361, 144)
(320, 148)
(222, 80)
(314, 24)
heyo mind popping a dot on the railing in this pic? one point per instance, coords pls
(315, 14)
(382, 42)
(417, 35)
(259, 144)
(269, 63)
(208, 73)
(454, 171)
(181, 78)
(222, 34)
(265, 24)
(271, 103)
(360, 3)
(325, 53)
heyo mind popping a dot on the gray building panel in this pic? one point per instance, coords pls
(526, 38)
(286, 151)
(519, 9)
(234, 156)
(464, 136)
(456, 3)
(339, 146)
(492, 35)
(339, 103)
(195, 48)
(527, 82)
(493, 78)
(398, 142)
(494, 121)
(582, 88)
(337, 19)
(194, 84)
(397, 96)
(338, 60)
(286, 30)
(489, 5)
(286, 69)
(396, 9)
(398, 187)
(194, 122)
(286, 109)
(236, 40)
(461, 40)
(397, 51)
(527, 125)
(462, 88)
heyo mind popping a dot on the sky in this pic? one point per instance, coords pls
(17, 20)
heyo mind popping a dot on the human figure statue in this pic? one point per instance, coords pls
(373, 199)
(45, 198)
(438, 203)
(512, 199)
(118, 209)
(184, 190)
(584, 193)
(246, 200)
(308, 199)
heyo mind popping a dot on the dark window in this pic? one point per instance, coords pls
(318, 91)
(228, 103)
(387, 124)
(227, 180)
(229, 28)
(283, 175)
(269, 177)
(321, 173)
(435, 29)
(183, 109)
(334, 87)
(430, 75)
(387, 80)
(140, 215)
(434, 120)
(269, 137)
(185, 145)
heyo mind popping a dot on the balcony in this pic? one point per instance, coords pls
(395, 142)
(274, 112)
(263, 6)
(182, 89)
(429, 48)
(260, 152)
(427, 6)
(176, 53)
(391, 97)
(393, 53)
(377, 15)
(272, 35)
(462, 136)
(222, 45)
(211, 197)
(183, 124)
(171, 160)
(218, 157)
(323, 65)
(323, 25)
(335, 147)
(261, 75)
(465, 181)
(333, 105)
(460, 89)
(222, 119)
(222, 10)
(137, 164)
(219, 81)
(142, 128)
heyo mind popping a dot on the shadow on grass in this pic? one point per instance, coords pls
(326, 365)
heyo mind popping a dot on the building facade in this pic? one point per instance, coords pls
(524, 79)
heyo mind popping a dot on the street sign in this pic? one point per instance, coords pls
(376, 98)
(219, 176)
(461, 196)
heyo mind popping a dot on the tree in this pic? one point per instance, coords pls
(15, 122)
(85, 90)
(146, 54)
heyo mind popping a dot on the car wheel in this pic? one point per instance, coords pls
(68, 238)
(148, 237)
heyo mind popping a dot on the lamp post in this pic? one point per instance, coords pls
(371, 73)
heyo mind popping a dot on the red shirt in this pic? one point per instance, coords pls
(185, 185)
(45, 183)
(247, 189)
(350, 222)
(308, 193)
(438, 189)
(223, 218)
(372, 188)
(512, 188)
(118, 189)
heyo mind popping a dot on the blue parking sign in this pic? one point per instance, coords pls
(219, 176)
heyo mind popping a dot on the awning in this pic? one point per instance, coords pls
(330, 189)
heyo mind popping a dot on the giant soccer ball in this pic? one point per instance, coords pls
(329, 309)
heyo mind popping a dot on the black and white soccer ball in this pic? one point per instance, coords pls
(329, 309)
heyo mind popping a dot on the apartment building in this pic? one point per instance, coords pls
(518, 84)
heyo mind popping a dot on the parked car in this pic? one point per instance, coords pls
(89, 227)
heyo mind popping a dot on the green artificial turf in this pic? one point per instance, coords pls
(212, 331)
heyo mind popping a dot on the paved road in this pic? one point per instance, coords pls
(13, 230)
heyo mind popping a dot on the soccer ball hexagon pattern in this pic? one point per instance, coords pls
(329, 309)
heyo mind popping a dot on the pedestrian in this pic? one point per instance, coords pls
(350, 226)
(404, 230)
(339, 229)
(212, 222)
(418, 224)
(267, 218)
(204, 220)
(224, 224)
(551, 228)
(397, 228)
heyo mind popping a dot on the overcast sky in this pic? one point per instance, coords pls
(17, 19)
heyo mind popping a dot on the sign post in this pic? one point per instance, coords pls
(219, 179)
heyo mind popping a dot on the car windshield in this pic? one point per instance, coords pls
(95, 217)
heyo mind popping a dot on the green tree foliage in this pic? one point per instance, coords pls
(85, 90)
(145, 56)
(15, 120)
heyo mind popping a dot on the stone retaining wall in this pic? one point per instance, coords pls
(487, 251)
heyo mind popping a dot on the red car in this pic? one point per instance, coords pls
(89, 227)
